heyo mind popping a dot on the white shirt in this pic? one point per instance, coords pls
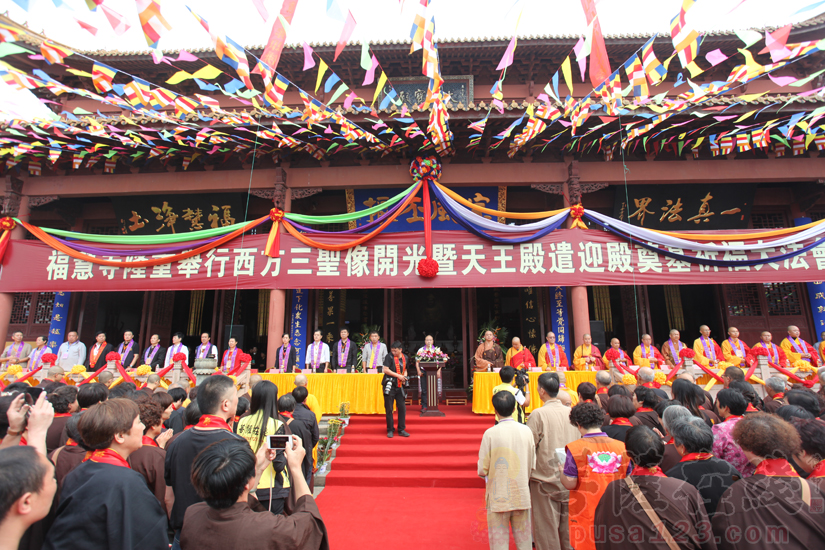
(212, 350)
(172, 350)
(323, 354)
(36, 357)
(69, 355)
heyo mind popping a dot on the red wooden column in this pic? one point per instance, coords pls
(15, 205)
(578, 294)
(277, 297)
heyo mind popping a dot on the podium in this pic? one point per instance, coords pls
(431, 373)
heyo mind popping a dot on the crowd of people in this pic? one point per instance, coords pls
(114, 466)
(626, 467)
(706, 352)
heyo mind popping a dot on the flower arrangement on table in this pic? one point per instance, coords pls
(628, 380)
(112, 356)
(179, 357)
(48, 358)
(659, 377)
(803, 365)
(687, 353)
(434, 355)
(13, 370)
(78, 369)
(144, 370)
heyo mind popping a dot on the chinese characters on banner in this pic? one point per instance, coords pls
(565, 257)
(816, 294)
(531, 336)
(57, 327)
(166, 214)
(685, 207)
(412, 217)
(299, 325)
(331, 301)
(560, 324)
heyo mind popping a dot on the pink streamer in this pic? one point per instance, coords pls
(309, 62)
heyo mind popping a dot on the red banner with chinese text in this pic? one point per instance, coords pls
(563, 258)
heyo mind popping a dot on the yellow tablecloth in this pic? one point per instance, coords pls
(484, 382)
(363, 391)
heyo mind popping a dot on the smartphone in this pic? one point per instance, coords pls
(278, 442)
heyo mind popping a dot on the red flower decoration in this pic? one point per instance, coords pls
(50, 358)
(687, 353)
(7, 224)
(113, 356)
(245, 358)
(276, 214)
(179, 357)
(428, 268)
(576, 211)
(612, 354)
(760, 351)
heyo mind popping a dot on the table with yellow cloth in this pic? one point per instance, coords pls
(363, 391)
(484, 382)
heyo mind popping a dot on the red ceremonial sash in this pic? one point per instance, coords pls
(819, 471)
(775, 467)
(62, 415)
(95, 354)
(778, 396)
(732, 417)
(669, 441)
(642, 471)
(402, 366)
(71, 442)
(212, 421)
(601, 391)
(107, 456)
(696, 456)
(644, 410)
(751, 408)
(620, 422)
(149, 441)
(286, 414)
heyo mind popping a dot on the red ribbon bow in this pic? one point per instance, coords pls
(276, 214)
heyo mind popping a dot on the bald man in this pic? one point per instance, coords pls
(796, 348)
(56, 374)
(518, 356)
(708, 352)
(253, 381)
(776, 354)
(587, 356)
(551, 354)
(734, 350)
(646, 354)
(671, 349)
(106, 378)
(311, 401)
(565, 391)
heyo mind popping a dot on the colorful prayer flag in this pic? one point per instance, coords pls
(346, 33)
(102, 76)
(653, 69)
(685, 38)
(151, 21)
(234, 55)
(636, 75)
(419, 22)
(53, 53)
(274, 94)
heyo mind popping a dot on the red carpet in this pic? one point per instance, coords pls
(416, 492)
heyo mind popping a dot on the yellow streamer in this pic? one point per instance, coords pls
(740, 236)
(513, 215)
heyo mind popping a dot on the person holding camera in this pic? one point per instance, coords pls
(515, 381)
(393, 384)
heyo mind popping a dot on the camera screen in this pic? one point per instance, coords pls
(278, 441)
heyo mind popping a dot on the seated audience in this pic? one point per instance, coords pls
(225, 475)
(679, 516)
(587, 473)
(621, 409)
(732, 406)
(774, 506)
(711, 475)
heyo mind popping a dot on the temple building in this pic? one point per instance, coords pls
(660, 184)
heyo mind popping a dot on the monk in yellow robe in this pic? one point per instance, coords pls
(708, 352)
(796, 348)
(735, 350)
(646, 354)
(551, 355)
(776, 354)
(574, 395)
(624, 359)
(587, 356)
(519, 357)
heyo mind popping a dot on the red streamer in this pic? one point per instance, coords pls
(792, 376)
(29, 374)
(428, 229)
(93, 376)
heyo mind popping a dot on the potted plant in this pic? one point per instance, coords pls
(343, 413)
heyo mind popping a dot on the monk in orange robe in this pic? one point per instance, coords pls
(796, 348)
(519, 357)
(551, 355)
(708, 352)
(587, 356)
(735, 350)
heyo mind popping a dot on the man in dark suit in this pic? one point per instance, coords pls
(344, 353)
(154, 354)
(97, 352)
(128, 350)
(395, 378)
(307, 418)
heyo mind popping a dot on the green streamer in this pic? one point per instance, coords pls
(145, 239)
(340, 218)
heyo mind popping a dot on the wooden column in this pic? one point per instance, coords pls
(15, 204)
(465, 342)
(277, 313)
(578, 294)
